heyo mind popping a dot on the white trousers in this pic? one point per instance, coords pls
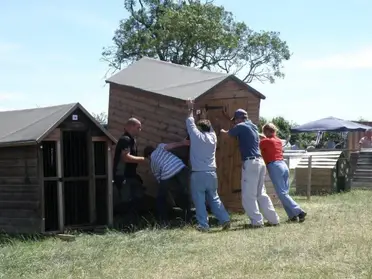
(254, 195)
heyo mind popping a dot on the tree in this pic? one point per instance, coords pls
(284, 131)
(196, 34)
(101, 118)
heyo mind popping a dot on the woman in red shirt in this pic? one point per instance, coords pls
(272, 153)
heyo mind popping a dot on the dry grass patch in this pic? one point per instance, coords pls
(334, 242)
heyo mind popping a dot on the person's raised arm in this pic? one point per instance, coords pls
(124, 145)
(233, 132)
(192, 130)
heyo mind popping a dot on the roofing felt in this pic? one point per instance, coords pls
(170, 79)
(30, 125)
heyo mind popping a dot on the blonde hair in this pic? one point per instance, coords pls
(270, 127)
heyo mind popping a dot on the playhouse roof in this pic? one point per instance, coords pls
(30, 126)
(172, 80)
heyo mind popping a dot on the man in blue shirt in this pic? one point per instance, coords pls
(254, 195)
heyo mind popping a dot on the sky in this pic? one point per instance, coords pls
(50, 54)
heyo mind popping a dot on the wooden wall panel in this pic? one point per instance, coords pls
(55, 135)
(19, 190)
(231, 96)
(162, 118)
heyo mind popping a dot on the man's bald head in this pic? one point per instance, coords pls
(133, 126)
(132, 122)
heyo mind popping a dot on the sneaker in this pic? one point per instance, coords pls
(226, 226)
(292, 220)
(202, 229)
(301, 216)
(268, 224)
(250, 226)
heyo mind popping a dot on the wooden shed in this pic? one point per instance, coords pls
(330, 173)
(55, 170)
(155, 92)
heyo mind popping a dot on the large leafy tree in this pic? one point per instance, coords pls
(197, 34)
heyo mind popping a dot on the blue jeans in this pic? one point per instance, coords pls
(204, 186)
(279, 175)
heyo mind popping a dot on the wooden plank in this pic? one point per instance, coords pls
(18, 152)
(158, 118)
(20, 196)
(133, 105)
(61, 219)
(21, 171)
(92, 184)
(110, 202)
(154, 100)
(102, 138)
(26, 205)
(19, 181)
(142, 114)
(55, 135)
(41, 212)
(14, 162)
(309, 177)
(20, 222)
(18, 188)
(18, 213)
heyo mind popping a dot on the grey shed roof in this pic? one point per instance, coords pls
(172, 80)
(30, 126)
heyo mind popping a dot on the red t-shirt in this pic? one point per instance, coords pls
(271, 149)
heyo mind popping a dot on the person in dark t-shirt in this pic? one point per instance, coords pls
(128, 182)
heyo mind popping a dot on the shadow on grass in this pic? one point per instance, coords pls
(7, 239)
(126, 222)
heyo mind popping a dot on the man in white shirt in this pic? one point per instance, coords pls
(204, 182)
(171, 173)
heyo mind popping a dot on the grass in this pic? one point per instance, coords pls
(334, 242)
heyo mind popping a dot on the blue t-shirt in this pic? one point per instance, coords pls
(247, 134)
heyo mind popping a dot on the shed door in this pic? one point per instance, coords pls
(227, 155)
(76, 177)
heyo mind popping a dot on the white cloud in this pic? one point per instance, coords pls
(359, 59)
(9, 96)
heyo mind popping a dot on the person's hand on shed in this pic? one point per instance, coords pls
(190, 104)
(223, 131)
(186, 142)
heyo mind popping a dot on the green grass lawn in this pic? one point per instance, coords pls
(334, 242)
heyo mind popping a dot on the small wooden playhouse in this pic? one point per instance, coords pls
(155, 92)
(55, 170)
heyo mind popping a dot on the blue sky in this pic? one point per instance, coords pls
(50, 54)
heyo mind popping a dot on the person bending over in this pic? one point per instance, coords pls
(171, 174)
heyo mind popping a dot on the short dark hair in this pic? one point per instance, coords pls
(148, 151)
(204, 125)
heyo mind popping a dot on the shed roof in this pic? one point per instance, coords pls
(30, 126)
(172, 80)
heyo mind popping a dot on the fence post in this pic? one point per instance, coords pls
(309, 170)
